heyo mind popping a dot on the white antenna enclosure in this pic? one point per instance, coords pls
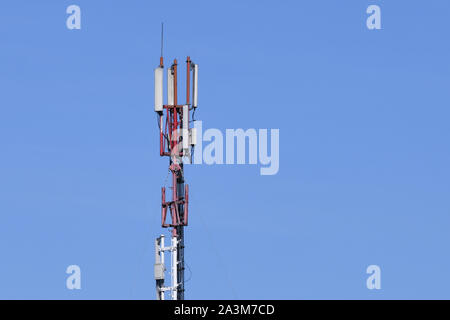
(170, 91)
(195, 86)
(185, 131)
(159, 89)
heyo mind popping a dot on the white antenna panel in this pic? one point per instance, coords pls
(185, 127)
(159, 89)
(170, 90)
(195, 87)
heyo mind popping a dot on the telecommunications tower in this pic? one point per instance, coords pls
(177, 140)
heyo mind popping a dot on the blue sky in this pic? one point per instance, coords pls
(364, 148)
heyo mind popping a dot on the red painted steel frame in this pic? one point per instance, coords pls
(169, 146)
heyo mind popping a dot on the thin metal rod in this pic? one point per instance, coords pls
(162, 44)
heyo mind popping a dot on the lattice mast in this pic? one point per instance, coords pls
(177, 140)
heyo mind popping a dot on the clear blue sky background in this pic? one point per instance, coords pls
(364, 148)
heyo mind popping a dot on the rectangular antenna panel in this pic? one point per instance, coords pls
(185, 131)
(170, 90)
(195, 87)
(159, 89)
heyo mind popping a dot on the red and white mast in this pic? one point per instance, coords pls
(177, 139)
